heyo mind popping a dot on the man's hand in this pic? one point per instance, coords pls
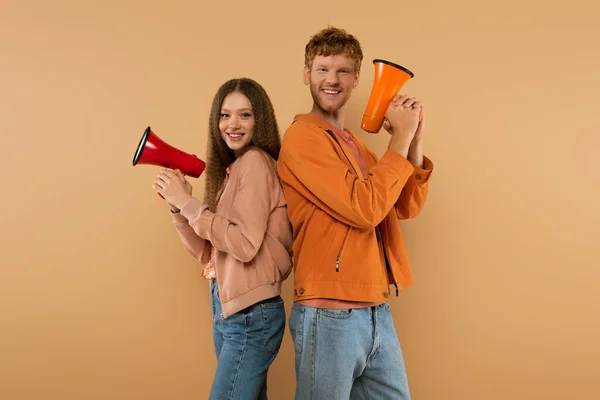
(415, 152)
(402, 122)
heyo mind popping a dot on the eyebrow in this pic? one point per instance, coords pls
(241, 109)
(350, 68)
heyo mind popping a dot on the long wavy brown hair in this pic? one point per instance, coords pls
(266, 134)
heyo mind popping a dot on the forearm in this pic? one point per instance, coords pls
(239, 235)
(413, 196)
(198, 247)
(415, 154)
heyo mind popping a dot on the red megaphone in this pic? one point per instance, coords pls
(153, 151)
(388, 80)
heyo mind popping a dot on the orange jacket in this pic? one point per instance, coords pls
(336, 213)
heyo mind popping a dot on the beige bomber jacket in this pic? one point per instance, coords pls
(250, 231)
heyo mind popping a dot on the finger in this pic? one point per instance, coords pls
(162, 181)
(396, 98)
(417, 104)
(401, 99)
(409, 102)
(170, 173)
(386, 124)
(165, 176)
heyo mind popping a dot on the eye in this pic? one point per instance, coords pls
(246, 115)
(224, 115)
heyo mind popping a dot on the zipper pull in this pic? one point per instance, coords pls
(396, 289)
(337, 264)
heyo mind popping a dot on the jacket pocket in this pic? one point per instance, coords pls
(341, 250)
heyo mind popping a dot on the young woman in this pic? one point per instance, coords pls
(241, 234)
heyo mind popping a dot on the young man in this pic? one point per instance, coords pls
(344, 205)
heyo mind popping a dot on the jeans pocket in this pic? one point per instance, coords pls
(297, 326)
(337, 313)
(273, 313)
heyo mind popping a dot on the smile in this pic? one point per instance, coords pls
(235, 135)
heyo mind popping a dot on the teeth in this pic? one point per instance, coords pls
(331, 91)
(235, 135)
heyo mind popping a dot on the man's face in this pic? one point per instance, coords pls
(331, 81)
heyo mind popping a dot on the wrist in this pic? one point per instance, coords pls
(416, 144)
(415, 156)
(399, 148)
(183, 202)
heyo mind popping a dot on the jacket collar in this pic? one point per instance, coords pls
(313, 118)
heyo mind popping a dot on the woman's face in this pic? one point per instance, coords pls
(236, 122)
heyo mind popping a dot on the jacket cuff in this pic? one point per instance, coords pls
(178, 218)
(199, 216)
(421, 175)
(398, 164)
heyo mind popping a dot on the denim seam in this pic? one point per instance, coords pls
(313, 355)
(239, 363)
(300, 331)
(376, 342)
(336, 315)
(364, 390)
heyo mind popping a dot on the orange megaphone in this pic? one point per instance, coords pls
(153, 151)
(388, 80)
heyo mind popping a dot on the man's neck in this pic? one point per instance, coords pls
(336, 119)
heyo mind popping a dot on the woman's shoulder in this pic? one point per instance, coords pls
(255, 159)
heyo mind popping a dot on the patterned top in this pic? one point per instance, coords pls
(209, 270)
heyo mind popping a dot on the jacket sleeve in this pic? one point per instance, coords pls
(240, 233)
(309, 164)
(413, 196)
(199, 248)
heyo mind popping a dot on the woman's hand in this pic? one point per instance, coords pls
(173, 187)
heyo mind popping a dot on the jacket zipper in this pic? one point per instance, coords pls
(337, 260)
(387, 263)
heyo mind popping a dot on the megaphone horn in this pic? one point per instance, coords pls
(388, 80)
(154, 151)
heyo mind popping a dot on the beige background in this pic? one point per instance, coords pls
(99, 300)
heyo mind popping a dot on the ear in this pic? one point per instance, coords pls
(306, 75)
(356, 80)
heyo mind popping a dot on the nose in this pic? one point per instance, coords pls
(234, 122)
(332, 78)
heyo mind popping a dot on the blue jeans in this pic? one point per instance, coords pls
(347, 354)
(246, 344)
